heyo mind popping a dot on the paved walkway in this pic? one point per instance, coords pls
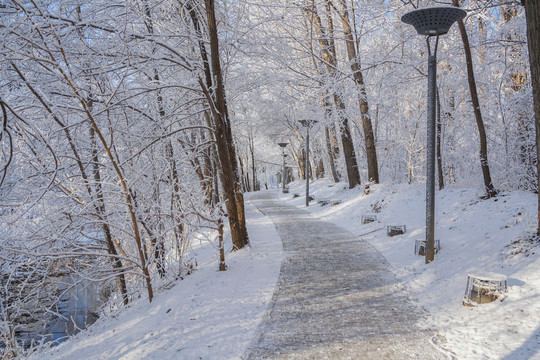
(335, 298)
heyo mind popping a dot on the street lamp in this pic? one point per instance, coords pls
(432, 21)
(307, 124)
(283, 176)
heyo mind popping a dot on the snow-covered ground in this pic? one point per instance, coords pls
(208, 315)
(214, 315)
(475, 235)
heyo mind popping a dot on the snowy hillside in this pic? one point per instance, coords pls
(208, 315)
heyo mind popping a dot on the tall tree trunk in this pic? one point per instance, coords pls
(488, 184)
(330, 150)
(329, 56)
(532, 13)
(215, 94)
(222, 266)
(243, 178)
(210, 164)
(335, 147)
(371, 152)
(221, 104)
(101, 211)
(320, 168)
(229, 179)
(202, 172)
(353, 175)
(333, 151)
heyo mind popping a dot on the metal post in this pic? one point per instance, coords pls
(306, 166)
(283, 176)
(283, 173)
(430, 171)
(432, 21)
(286, 172)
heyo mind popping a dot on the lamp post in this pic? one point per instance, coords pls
(307, 124)
(432, 21)
(283, 176)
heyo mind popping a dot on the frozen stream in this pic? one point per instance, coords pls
(336, 297)
(78, 306)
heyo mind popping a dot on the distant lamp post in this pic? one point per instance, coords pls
(307, 124)
(432, 21)
(283, 175)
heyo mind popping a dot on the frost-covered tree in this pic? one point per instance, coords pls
(532, 9)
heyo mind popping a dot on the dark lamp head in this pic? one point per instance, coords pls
(435, 20)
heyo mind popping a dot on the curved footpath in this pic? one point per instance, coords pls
(336, 297)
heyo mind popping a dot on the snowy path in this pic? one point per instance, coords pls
(335, 298)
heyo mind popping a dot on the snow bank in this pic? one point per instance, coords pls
(208, 315)
(475, 235)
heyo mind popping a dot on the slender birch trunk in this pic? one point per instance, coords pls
(488, 184)
(532, 13)
(354, 60)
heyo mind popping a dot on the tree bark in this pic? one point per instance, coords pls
(532, 13)
(371, 152)
(210, 165)
(225, 174)
(221, 105)
(222, 266)
(329, 56)
(331, 142)
(353, 175)
(488, 184)
(101, 212)
(331, 159)
(229, 179)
